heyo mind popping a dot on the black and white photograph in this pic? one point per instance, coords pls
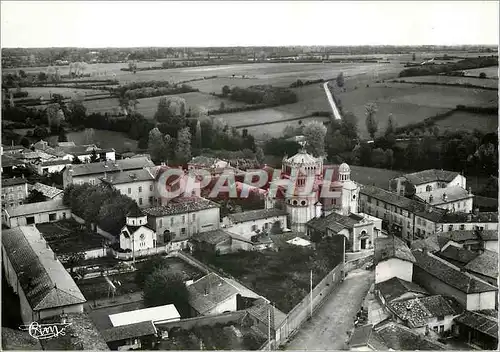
(249, 175)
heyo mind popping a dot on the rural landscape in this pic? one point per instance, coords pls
(168, 183)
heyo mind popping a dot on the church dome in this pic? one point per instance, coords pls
(344, 168)
(302, 158)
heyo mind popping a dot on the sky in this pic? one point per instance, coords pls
(99, 24)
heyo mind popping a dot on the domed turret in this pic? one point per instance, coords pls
(344, 172)
(135, 217)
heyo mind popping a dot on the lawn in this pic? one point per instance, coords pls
(491, 72)
(441, 79)
(410, 103)
(467, 121)
(275, 129)
(282, 276)
(104, 139)
(97, 287)
(373, 176)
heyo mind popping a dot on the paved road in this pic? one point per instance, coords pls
(329, 326)
(332, 102)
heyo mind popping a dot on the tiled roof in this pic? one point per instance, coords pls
(432, 175)
(83, 149)
(209, 291)
(252, 215)
(388, 197)
(36, 208)
(430, 243)
(12, 147)
(44, 280)
(109, 166)
(398, 337)
(7, 182)
(484, 323)
(260, 310)
(203, 160)
(9, 161)
(417, 311)
(485, 264)
(361, 336)
(462, 236)
(212, 237)
(392, 247)
(56, 162)
(452, 193)
(336, 222)
(396, 287)
(181, 206)
(458, 217)
(131, 331)
(457, 255)
(450, 275)
(18, 340)
(129, 176)
(47, 191)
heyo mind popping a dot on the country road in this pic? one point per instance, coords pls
(330, 324)
(332, 102)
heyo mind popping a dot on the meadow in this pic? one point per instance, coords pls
(45, 92)
(462, 120)
(104, 139)
(444, 80)
(491, 72)
(409, 103)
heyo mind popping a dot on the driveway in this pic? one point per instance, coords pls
(330, 324)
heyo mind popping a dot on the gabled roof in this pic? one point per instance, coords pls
(44, 280)
(18, 340)
(212, 237)
(260, 310)
(252, 215)
(209, 291)
(181, 206)
(432, 175)
(47, 191)
(131, 331)
(456, 255)
(36, 208)
(399, 337)
(459, 217)
(395, 287)
(392, 247)
(430, 243)
(416, 312)
(55, 162)
(485, 323)
(463, 236)
(450, 275)
(7, 182)
(452, 194)
(335, 222)
(485, 264)
(109, 166)
(130, 176)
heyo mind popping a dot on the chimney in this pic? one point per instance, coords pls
(445, 197)
(469, 217)
(431, 198)
(319, 210)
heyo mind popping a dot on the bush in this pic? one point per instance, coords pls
(482, 75)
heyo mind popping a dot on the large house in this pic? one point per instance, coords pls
(441, 277)
(392, 258)
(252, 222)
(36, 213)
(93, 172)
(14, 191)
(452, 198)
(44, 287)
(427, 181)
(137, 184)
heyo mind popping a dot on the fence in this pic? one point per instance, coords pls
(138, 253)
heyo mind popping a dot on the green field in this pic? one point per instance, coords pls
(104, 139)
(441, 79)
(275, 129)
(36, 92)
(462, 120)
(410, 103)
(491, 72)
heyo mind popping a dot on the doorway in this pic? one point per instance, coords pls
(363, 243)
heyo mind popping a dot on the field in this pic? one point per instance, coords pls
(491, 72)
(275, 129)
(441, 79)
(36, 92)
(410, 103)
(462, 120)
(104, 139)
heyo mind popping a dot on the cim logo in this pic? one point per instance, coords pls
(45, 331)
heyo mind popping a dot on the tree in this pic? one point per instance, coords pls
(371, 122)
(340, 79)
(40, 132)
(62, 136)
(42, 76)
(162, 287)
(391, 126)
(76, 160)
(413, 57)
(53, 116)
(198, 139)
(183, 148)
(153, 263)
(35, 196)
(482, 75)
(222, 106)
(25, 142)
(156, 145)
(226, 91)
(89, 136)
(259, 155)
(94, 157)
(315, 133)
(77, 112)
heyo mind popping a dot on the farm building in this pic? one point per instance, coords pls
(32, 269)
(14, 191)
(392, 258)
(141, 335)
(36, 213)
(84, 152)
(440, 277)
(157, 315)
(92, 172)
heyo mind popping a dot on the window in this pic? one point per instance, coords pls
(462, 227)
(140, 201)
(369, 199)
(183, 230)
(150, 200)
(266, 225)
(160, 223)
(64, 215)
(171, 221)
(441, 329)
(140, 189)
(52, 217)
(19, 188)
(440, 318)
(129, 190)
(435, 328)
(30, 220)
(151, 188)
(303, 202)
(183, 219)
(450, 227)
(353, 196)
(194, 217)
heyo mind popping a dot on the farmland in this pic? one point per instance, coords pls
(462, 120)
(45, 92)
(444, 80)
(410, 103)
(104, 139)
(491, 72)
